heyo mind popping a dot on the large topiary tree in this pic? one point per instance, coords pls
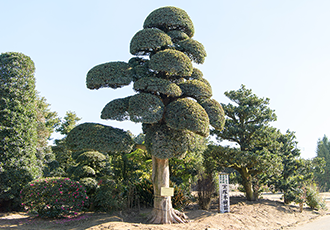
(173, 100)
(18, 127)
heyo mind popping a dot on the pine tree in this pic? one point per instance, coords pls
(255, 150)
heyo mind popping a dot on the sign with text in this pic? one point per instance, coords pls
(224, 193)
(166, 191)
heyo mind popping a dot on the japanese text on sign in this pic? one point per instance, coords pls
(224, 193)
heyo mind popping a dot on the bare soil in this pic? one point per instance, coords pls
(267, 213)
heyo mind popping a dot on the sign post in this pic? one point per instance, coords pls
(224, 193)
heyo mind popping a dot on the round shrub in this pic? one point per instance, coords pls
(146, 108)
(54, 197)
(184, 114)
(193, 49)
(196, 89)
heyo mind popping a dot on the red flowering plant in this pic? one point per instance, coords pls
(54, 197)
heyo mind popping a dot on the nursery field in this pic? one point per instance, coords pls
(267, 213)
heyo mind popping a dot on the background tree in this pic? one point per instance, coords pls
(323, 151)
(62, 154)
(291, 175)
(296, 172)
(47, 121)
(172, 101)
(133, 166)
(255, 149)
(69, 121)
(18, 126)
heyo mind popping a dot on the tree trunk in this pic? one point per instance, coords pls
(247, 184)
(163, 213)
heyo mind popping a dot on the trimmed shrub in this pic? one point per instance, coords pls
(54, 197)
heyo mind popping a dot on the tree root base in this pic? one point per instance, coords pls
(168, 217)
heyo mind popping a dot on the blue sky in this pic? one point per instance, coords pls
(278, 48)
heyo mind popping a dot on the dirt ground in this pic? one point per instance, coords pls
(267, 213)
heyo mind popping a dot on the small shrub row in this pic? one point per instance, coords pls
(57, 197)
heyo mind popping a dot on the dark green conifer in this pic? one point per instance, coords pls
(18, 127)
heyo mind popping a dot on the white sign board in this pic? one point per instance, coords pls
(224, 193)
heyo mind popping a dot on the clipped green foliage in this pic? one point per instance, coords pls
(158, 85)
(164, 142)
(111, 74)
(92, 158)
(54, 197)
(206, 82)
(148, 41)
(215, 112)
(187, 114)
(145, 108)
(196, 89)
(177, 35)
(196, 74)
(193, 49)
(98, 137)
(172, 62)
(170, 18)
(116, 110)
